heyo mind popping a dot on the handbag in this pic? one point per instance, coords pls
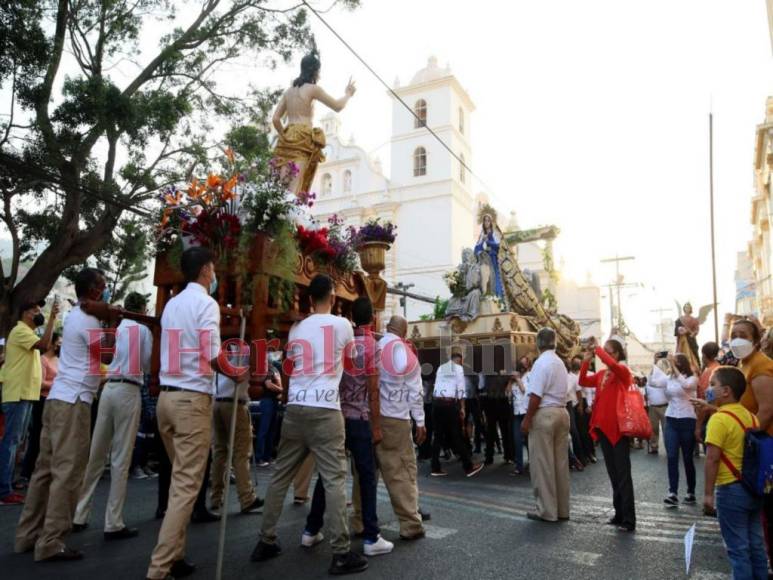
(632, 418)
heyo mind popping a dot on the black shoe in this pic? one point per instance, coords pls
(475, 470)
(203, 516)
(264, 551)
(65, 555)
(122, 534)
(425, 516)
(160, 514)
(614, 522)
(181, 569)
(690, 499)
(671, 500)
(629, 528)
(489, 461)
(255, 507)
(417, 536)
(79, 528)
(349, 563)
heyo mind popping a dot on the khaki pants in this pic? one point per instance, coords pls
(657, 414)
(185, 425)
(397, 462)
(118, 418)
(549, 462)
(241, 455)
(319, 432)
(302, 479)
(53, 491)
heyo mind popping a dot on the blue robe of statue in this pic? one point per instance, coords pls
(492, 249)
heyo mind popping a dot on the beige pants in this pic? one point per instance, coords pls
(319, 432)
(241, 455)
(657, 416)
(302, 479)
(53, 491)
(118, 418)
(549, 462)
(185, 424)
(397, 461)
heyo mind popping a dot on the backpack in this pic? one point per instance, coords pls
(756, 473)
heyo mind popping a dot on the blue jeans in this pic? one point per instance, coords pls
(739, 515)
(359, 442)
(518, 440)
(264, 443)
(680, 434)
(16, 421)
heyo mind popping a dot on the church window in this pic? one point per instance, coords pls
(462, 170)
(347, 181)
(461, 120)
(420, 108)
(327, 184)
(419, 162)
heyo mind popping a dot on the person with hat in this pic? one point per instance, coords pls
(547, 424)
(22, 378)
(118, 418)
(610, 384)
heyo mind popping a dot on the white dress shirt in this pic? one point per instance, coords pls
(572, 388)
(316, 346)
(400, 380)
(190, 339)
(656, 387)
(225, 387)
(547, 379)
(449, 383)
(79, 376)
(679, 390)
(521, 399)
(133, 347)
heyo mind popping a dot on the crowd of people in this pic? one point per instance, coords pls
(342, 391)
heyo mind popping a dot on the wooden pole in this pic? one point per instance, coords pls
(713, 248)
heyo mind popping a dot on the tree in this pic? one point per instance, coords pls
(81, 145)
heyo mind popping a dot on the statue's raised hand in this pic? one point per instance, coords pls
(351, 88)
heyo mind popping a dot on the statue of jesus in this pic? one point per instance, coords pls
(298, 141)
(686, 330)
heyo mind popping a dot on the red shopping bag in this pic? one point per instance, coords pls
(632, 417)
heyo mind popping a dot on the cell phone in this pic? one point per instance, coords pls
(661, 354)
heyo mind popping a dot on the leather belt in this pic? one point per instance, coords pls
(445, 400)
(131, 382)
(229, 400)
(170, 389)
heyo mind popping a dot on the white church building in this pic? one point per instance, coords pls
(427, 194)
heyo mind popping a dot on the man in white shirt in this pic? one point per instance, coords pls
(313, 424)
(64, 441)
(448, 416)
(118, 417)
(401, 398)
(547, 424)
(190, 345)
(656, 402)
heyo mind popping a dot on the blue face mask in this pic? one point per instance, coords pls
(710, 395)
(213, 284)
(106, 295)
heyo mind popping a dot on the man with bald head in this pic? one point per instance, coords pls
(401, 394)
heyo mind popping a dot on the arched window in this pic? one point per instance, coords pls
(419, 162)
(420, 108)
(461, 120)
(462, 170)
(347, 181)
(327, 184)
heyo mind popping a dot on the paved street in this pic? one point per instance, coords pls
(478, 531)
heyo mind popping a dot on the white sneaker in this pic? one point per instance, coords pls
(377, 548)
(309, 541)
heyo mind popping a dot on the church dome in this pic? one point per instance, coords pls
(430, 72)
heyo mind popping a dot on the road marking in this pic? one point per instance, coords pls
(709, 575)
(580, 558)
(433, 532)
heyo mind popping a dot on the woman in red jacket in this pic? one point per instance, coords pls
(610, 384)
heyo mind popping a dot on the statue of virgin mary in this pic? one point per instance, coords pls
(487, 252)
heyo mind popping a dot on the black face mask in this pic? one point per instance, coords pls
(38, 319)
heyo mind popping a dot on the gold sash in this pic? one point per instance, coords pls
(302, 144)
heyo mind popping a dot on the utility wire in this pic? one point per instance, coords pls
(422, 123)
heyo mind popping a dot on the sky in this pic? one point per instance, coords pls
(592, 116)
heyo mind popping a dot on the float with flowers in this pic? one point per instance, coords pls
(267, 244)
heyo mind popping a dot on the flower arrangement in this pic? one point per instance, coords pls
(330, 246)
(374, 230)
(455, 283)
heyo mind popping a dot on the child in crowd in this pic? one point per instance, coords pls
(739, 511)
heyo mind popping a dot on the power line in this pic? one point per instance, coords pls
(422, 123)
